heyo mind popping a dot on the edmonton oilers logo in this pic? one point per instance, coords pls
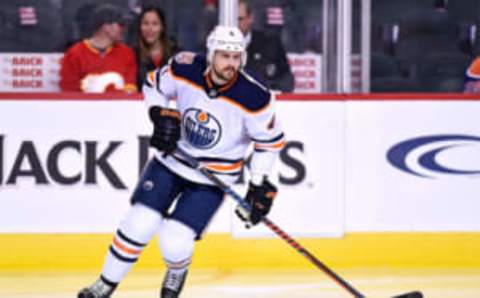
(202, 129)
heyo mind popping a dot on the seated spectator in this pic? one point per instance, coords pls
(472, 84)
(101, 63)
(153, 47)
(267, 60)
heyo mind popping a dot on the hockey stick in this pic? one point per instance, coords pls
(277, 230)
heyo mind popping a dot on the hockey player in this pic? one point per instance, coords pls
(220, 111)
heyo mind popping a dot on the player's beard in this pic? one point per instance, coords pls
(225, 74)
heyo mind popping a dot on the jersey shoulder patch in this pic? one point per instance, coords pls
(184, 57)
(249, 93)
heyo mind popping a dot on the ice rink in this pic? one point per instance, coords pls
(455, 283)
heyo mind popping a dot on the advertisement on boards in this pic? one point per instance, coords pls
(412, 166)
(348, 166)
(30, 72)
(311, 167)
(70, 166)
(307, 70)
(40, 72)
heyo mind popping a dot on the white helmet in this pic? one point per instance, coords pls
(228, 39)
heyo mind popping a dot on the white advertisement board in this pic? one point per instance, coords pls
(311, 197)
(30, 72)
(67, 166)
(413, 166)
(307, 70)
(70, 166)
(40, 72)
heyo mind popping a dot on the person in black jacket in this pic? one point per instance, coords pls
(153, 47)
(267, 60)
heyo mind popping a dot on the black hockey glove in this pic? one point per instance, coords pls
(260, 198)
(166, 129)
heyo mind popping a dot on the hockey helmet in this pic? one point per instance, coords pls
(226, 38)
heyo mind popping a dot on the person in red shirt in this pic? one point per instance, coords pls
(101, 63)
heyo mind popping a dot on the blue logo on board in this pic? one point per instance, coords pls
(202, 129)
(420, 156)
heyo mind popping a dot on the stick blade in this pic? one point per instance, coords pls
(415, 294)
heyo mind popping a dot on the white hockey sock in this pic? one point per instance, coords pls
(176, 242)
(134, 233)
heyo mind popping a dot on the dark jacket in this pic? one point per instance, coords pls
(145, 67)
(267, 62)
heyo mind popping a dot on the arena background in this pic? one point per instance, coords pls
(379, 174)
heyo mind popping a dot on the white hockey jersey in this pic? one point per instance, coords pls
(218, 123)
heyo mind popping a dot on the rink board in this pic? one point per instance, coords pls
(221, 251)
(72, 167)
(391, 181)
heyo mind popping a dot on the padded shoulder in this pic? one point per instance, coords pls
(249, 93)
(188, 65)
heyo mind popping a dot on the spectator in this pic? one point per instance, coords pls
(267, 60)
(153, 47)
(472, 84)
(102, 62)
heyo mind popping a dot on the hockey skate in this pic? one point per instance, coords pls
(173, 284)
(98, 290)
